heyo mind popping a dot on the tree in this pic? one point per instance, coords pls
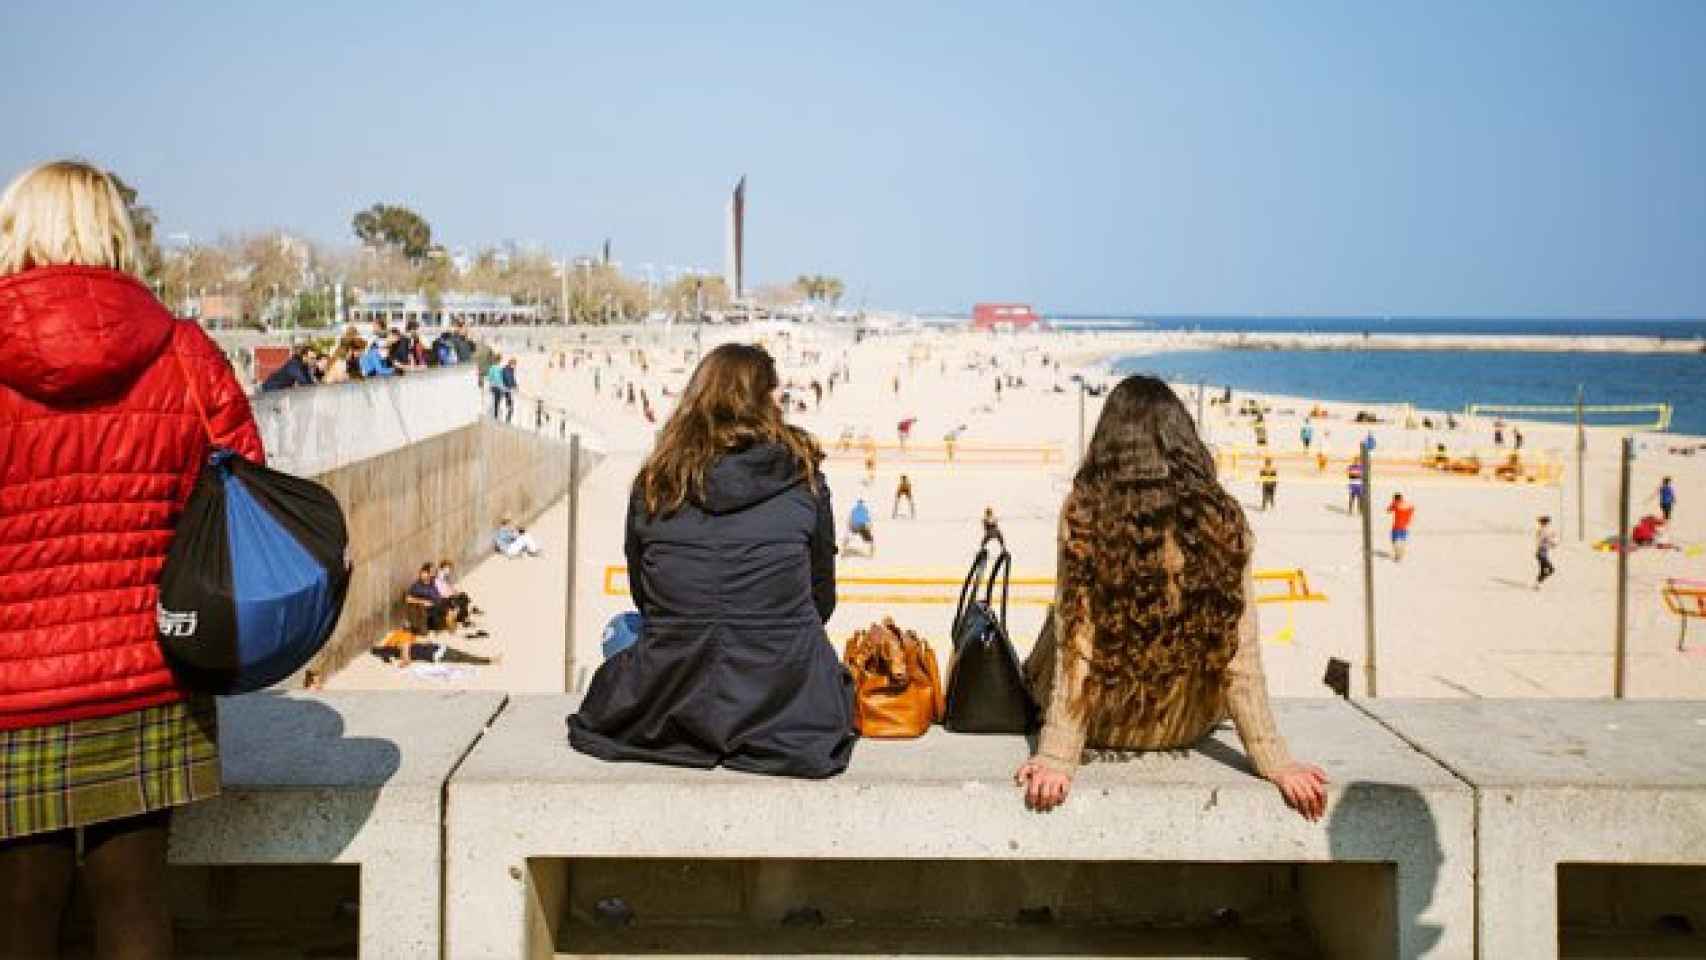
(394, 227)
(143, 220)
(821, 289)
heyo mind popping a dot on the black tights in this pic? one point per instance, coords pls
(124, 871)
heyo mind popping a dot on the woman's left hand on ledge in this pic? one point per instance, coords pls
(1045, 787)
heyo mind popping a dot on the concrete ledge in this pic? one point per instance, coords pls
(522, 795)
(1564, 782)
(348, 778)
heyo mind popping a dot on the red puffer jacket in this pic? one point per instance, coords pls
(100, 443)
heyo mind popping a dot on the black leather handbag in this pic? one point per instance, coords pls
(986, 687)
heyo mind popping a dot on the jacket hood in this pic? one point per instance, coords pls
(746, 477)
(78, 334)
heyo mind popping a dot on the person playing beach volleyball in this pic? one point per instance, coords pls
(859, 525)
(1402, 511)
(1153, 638)
(903, 491)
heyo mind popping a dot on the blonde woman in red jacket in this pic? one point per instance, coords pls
(100, 443)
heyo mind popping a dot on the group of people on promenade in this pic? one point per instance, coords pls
(386, 352)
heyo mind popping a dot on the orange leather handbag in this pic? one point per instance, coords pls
(897, 684)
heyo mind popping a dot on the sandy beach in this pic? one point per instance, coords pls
(1459, 617)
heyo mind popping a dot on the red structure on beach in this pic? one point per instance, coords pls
(1004, 316)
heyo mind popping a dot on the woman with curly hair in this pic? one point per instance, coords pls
(731, 561)
(1153, 637)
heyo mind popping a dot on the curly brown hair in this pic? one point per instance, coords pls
(1154, 557)
(726, 406)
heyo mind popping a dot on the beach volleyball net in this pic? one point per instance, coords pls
(1640, 416)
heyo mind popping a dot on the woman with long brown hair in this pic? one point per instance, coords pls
(1153, 637)
(731, 562)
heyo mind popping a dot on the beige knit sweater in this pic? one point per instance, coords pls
(1243, 694)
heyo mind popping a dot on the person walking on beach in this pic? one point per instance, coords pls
(1402, 511)
(1516, 438)
(1353, 474)
(732, 667)
(1667, 498)
(1545, 541)
(1306, 434)
(1270, 483)
(903, 491)
(1498, 433)
(992, 528)
(1153, 639)
(108, 408)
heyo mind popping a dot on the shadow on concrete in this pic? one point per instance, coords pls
(1359, 828)
(254, 870)
(1514, 584)
(272, 742)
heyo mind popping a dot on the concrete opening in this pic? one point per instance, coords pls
(272, 911)
(1609, 910)
(1262, 911)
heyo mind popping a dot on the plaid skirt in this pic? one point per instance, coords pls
(81, 772)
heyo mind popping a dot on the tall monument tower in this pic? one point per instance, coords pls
(734, 243)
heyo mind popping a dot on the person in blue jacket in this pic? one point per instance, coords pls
(500, 390)
(1667, 498)
(374, 362)
(298, 371)
(859, 525)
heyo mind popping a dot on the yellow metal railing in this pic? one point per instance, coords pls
(1027, 589)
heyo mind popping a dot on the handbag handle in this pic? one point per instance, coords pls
(968, 589)
(1002, 567)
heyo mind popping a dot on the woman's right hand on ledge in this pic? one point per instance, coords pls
(1304, 787)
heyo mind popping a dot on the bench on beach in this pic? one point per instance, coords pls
(351, 778)
(1590, 819)
(548, 851)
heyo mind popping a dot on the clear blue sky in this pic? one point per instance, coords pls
(1508, 158)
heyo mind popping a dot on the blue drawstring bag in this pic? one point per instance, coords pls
(255, 578)
(622, 632)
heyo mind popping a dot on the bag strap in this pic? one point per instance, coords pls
(968, 590)
(189, 387)
(1003, 567)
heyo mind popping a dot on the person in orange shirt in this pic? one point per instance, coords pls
(1402, 511)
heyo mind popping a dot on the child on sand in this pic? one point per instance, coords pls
(1545, 541)
(1270, 483)
(1401, 513)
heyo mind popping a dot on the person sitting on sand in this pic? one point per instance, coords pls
(1153, 637)
(445, 582)
(513, 541)
(731, 550)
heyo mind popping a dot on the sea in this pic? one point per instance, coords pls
(1441, 379)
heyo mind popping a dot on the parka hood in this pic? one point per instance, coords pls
(78, 334)
(746, 477)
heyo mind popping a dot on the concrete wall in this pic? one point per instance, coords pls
(315, 430)
(438, 498)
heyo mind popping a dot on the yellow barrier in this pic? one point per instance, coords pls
(1296, 585)
(1245, 463)
(1687, 600)
(929, 451)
